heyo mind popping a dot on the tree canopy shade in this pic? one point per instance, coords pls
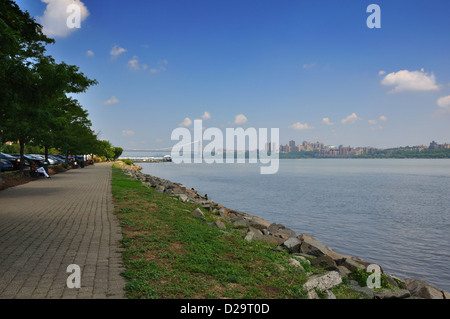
(34, 106)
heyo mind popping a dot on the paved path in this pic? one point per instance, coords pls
(48, 224)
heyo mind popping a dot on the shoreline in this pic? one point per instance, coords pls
(299, 246)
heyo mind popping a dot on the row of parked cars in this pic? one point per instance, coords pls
(11, 162)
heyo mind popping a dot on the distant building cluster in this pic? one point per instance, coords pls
(436, 146)
(325, 150)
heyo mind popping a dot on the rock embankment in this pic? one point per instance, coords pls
(303, 248)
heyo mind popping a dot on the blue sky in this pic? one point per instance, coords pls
(312, 68)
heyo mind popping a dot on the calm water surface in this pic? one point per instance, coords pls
(391, 211)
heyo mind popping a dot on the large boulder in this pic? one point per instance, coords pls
(312, 246)
(323, 282)
(259, 223)
(422, 289)
(198, 213)
(325, 262)
(391, 294)
(292, 244)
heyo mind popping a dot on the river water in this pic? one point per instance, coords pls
(393, 212)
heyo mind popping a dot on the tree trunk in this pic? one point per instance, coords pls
(46, 153)
(22, 158)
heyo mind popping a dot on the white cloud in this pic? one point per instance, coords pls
(381, 72)
(127, 133)
(405, 80)
(383, 118)
(352, 118)
(116, 51)
(240, 119)
(327, 121)
(187, 122)
(133, 64)
(90, 53)
(206, 116)
(300, 127)
(54, 20)
(161, 66)
(309, 65)
(372, 122)
(444, 102)
(112, 100)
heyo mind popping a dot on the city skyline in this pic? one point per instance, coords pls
(313, 69)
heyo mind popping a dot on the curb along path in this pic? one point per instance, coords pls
(49, 224)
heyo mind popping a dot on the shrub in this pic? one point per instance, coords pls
(127, 161)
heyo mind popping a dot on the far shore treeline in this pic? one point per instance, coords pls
(36, 110)
(400, 152)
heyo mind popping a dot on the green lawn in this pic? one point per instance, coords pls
(171, 254)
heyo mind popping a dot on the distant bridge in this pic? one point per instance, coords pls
(157, 150)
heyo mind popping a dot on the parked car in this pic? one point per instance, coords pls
(14, 160)
(56, 159)
(6, 165)
(50, 160)
(28, 158)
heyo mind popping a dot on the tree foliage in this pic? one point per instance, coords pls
(34, 104)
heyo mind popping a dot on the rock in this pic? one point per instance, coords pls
(446, 294)
(392, 282)
(292, 244)
(259, 223)
(325, 262)
(183, 198)
(272, 240)
(287, 232)
(198, 213)
(323, 282)
(350, 263)
(391, 294)
(312, 294)
(365, 292)
(220, 224)
(343, 271)
(240, 222)
(312, 246)
(160, 189)
(295, 263)
(302, 259)
(249, 236)
(330, 294)
(420, 288)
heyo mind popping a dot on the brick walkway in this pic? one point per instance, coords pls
(48, 224)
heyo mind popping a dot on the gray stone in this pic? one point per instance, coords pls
(198, 213)
(312, 246)
(183, 198)
(422, 289)
(391, 294)
(160, 189)
(292, 244)
(220, 224)
(240, 222)
(343, 271)
(295, 263)
(330, 294)
(249, 236)
(259, 223)
(323, 282)
(324, 262)
(366, 292)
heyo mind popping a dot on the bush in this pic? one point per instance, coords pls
(127, 161)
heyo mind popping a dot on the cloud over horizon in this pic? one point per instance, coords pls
(300, 127)
(405, 80)
(54, 19)
(112, 100)
(352, 118)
